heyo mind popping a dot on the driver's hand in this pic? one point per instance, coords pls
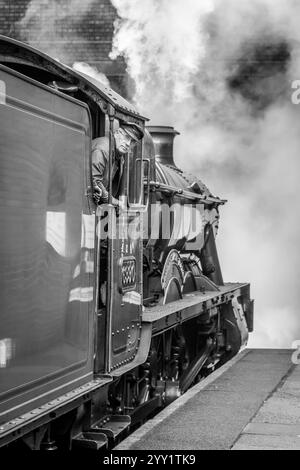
(97, 193)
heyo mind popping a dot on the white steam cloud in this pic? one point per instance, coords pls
(50, 25)
(91, 72)
(220, 71)
(53, 25)
(155, 38)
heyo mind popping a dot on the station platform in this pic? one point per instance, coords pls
(252, 402)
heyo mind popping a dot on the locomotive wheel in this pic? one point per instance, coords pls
(178, 275)
(169, 359)
(172, 278)
(189, 283)
(172, 291)
(174, 363)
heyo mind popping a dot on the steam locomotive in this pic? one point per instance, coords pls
(105, 317)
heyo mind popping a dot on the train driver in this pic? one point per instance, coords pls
(127, 135)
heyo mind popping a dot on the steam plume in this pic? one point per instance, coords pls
(52, 25)
(220, 71)
(91, 72)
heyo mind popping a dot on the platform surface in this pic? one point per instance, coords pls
(251, 402)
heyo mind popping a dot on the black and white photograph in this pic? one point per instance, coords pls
(149, 228)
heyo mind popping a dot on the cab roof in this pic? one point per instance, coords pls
(13, 51)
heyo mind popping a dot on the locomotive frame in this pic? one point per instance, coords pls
(107, 336)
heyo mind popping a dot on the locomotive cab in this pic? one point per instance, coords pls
(50, 248)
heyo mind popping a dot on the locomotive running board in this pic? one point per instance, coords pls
(166, 316)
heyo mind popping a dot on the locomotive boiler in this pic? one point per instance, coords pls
(105, 317)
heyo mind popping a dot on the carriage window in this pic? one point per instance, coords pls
(135, 175)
